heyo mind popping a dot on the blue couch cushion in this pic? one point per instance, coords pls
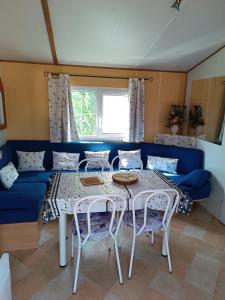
(199, 193)
(29, 177)
(39, 189)
(22, 203)
(196, 178)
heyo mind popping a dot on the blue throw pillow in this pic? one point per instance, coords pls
(196, 178)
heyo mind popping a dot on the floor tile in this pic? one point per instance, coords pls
(198, 265)
(89, 290)
(106, 276)
(21, 254)
(177, 224)
(223, 258)
(218, 298)
(34, 260)
(44, 236)
(220, 283)
(59, 288)
(166, 284)
(131, 289)
(29, 285)
(18, 270)
(148, 255)
(207, 249)
(203, 272)
(179, 265)
(142, 271)
(195, 230)
(152, 294)
(215, 235)
(189, 291)
(201, 214)
(111, 296)
(185, 247)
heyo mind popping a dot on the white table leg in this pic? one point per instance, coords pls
(62, 239)
(66, 227)
(164, 251)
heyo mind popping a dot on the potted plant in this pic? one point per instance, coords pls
(176, 118)
(196, 117)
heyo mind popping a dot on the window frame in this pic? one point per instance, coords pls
(100, 91)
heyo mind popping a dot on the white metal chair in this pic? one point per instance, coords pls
(148, 220)
(98, 228)
(88, 162)
(136, 159)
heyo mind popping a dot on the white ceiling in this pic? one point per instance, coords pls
(23, 34)
(122, 33)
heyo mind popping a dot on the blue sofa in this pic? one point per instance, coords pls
(22, 203)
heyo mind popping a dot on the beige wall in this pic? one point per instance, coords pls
(27, 95)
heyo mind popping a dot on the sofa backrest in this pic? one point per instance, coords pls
(188, 159)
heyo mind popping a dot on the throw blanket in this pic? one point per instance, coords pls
(186, 202)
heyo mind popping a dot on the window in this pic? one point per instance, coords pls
(101, 113)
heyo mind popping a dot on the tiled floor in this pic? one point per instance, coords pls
(197, 243)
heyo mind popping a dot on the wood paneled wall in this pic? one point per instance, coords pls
(27, 95)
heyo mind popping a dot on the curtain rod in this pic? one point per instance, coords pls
(150, 79)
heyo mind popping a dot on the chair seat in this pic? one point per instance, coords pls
(153, 222)
(100, 223)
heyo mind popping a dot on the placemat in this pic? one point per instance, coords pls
(88, 181)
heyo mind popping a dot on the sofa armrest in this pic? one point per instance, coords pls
(18, 200)
(198, 193)
(196, 179)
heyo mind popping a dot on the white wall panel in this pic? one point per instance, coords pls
(214, 154)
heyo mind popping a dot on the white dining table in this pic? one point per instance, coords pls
(67, 189)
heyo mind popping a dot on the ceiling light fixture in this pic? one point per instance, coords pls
(176, 4)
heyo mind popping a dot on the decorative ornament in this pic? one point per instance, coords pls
(176, 4)
(174, 129)
(196, 116)
(176, 117)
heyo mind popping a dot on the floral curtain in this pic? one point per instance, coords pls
(61, 114)
(136, 99)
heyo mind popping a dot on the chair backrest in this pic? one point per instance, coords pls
(89, 161)
(135, 159)
(165, 200)
(90, 204)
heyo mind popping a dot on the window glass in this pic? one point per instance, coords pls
(115, 114)
(101, 113)
(85, 112)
